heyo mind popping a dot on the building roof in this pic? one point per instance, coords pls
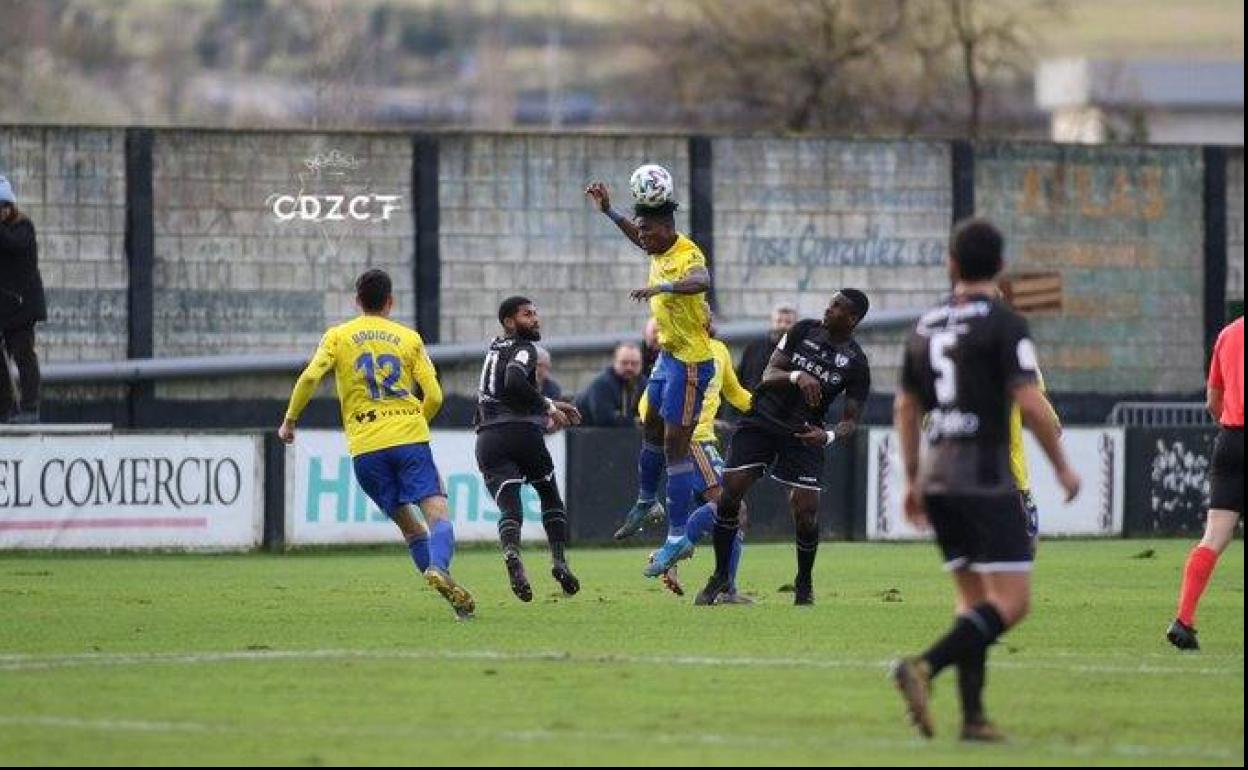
(1159, 83)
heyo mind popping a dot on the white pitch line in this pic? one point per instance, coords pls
(38, 662)
(539, 735)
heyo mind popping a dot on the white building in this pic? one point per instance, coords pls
(1163, 102)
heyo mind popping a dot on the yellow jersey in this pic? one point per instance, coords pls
(377, 365)
(724, 382)
(682, 318)
(1018, 457)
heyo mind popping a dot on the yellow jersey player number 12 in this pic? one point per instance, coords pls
(388, 392)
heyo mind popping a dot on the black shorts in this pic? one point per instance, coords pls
(1226, 472)
(791, 462)
(982, 533)
(512, 452)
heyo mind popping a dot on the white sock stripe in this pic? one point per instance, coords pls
(979, 622)
(503, 486)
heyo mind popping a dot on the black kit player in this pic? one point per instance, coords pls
(814, 362)
(512, 419)
(967, 361)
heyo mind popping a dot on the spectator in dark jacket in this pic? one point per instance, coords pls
(756, 355)
(22, 305)
(611, 399)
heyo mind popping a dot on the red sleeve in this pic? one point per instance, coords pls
(1215, 366)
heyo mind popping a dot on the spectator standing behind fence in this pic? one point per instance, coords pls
(756, 355)
(545, 383)
(611, 399)
(22, 305)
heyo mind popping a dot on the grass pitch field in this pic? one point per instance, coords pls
(347, 658)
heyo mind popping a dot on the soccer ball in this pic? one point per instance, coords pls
(651, 185)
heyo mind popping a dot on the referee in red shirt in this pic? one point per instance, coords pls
(1226, 480)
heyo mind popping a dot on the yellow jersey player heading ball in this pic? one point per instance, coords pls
(676, 291)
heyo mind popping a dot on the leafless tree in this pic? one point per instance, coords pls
(846, 65)
(993, 39)
(784, 63)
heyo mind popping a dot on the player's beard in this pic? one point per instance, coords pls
(529, 335)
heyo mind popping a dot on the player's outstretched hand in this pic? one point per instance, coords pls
(598, 193)
(571, 412)
(812, 436)
(810, 389)
(644, 293)
(912, 506)
(1070, 481)
(287, 432)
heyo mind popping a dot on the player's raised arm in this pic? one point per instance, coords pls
(601, 197)
(322, 362)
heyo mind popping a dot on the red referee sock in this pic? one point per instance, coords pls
(1200, 564)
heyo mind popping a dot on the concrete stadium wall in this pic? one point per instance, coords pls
(791, 219)
(1124, 228)
(514, 219)
(72, 184)
(230, 277)
(797, 219)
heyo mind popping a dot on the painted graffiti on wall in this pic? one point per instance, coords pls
(809, 250)
(1122, 228)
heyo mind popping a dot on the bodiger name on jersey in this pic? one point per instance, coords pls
(963, 360)
(496, 403)
(838, 367)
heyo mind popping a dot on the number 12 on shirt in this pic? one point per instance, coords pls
(371, 368)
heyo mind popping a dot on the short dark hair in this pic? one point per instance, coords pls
(372, 289)
(978, 247)
(510, 306)
(859, 300)
(665, 212)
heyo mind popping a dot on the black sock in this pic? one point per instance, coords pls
(725, 535)
(510, 518)
(807, 548)
(556, 524)
(973, 631)
(972, 675)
